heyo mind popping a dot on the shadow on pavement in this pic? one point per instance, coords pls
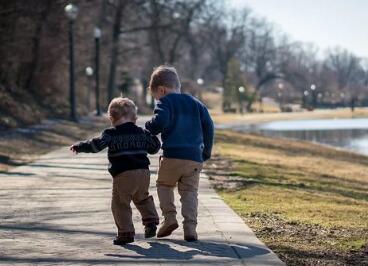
(6, 260)
(67, 167)
(52, 229)
(160, 250)
(5, 173)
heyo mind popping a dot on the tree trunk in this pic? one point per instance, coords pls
(251, 100)
(114, 51)
(36, 45)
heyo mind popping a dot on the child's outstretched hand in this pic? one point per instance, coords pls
(73, 149)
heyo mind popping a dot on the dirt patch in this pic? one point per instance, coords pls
(304, 244)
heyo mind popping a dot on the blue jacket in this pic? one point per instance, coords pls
(185, 125)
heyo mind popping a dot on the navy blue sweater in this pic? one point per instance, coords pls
(127, 145)
(185, 125)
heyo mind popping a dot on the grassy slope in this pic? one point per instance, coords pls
(22, 146)
(307, 202)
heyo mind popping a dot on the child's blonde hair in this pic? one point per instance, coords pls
(164, 76)
(122, 107)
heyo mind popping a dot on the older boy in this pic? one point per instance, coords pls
(187, 135)
(127, 145)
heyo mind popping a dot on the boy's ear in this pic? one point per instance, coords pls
(161, 89)
(111, 119)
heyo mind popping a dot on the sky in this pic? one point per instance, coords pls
(326, 23)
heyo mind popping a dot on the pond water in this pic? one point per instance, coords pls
(350, 134)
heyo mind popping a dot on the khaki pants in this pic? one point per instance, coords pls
(128, 186)
(185, 174)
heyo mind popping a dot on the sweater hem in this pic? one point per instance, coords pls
(191, 154)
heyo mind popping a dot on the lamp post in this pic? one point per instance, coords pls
(314, 98)
(305, 96)
(89, 74)
(279, 94)
(97, 35)
(200, 82)
(342, 96)
(71, 12)
(241, 90)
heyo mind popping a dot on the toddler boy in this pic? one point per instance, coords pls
(128, 146)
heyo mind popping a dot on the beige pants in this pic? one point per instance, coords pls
(128, 186)
(185, 174)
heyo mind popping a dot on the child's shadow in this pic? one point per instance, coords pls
(159, 250)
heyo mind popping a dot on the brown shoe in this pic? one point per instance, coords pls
(190, 234)
(124, 238)
(166, 229)
(190, 238)
(150, 230)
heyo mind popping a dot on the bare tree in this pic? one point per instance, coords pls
(344, 64)
(225, 40)
(120, 6)
(301, 69)
(260, 57)
(170, 22)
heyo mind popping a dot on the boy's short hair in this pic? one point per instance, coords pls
(122, 107)
(164, 76)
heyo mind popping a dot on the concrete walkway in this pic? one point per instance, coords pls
(57, 211)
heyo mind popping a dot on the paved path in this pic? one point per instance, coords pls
(57, 211)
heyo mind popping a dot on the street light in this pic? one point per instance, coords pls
(97, 35)
(89, 71)
(241, 98)
(71, 12)
(279, 94)
(313, 88)
(200, 81)
(319, 98)
(305, 98)
(89, 74)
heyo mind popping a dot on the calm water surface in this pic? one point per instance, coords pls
(350, 134)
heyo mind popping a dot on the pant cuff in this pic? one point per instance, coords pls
(126, 234)
(150, 221)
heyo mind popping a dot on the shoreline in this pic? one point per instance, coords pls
(251, 123)
(326, 145)
(256, 118)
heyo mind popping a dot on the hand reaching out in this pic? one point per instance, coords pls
(73, 149)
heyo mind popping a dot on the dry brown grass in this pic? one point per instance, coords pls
(308, 202)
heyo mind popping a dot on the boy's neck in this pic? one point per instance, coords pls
(170, 91)
(122, 121)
